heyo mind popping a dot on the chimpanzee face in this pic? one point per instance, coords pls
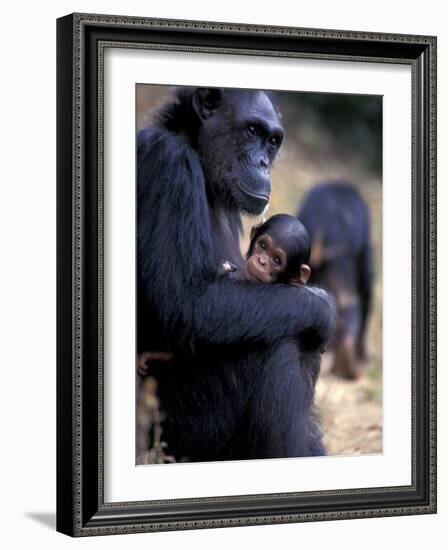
(239, 137)
(267, 260)
(279, 251)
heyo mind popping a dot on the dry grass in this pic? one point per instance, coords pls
(351, 412)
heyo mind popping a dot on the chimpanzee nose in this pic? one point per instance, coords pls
(262, 260)
(264, 163)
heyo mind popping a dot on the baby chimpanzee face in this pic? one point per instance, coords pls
(279, 252)
(267, 260)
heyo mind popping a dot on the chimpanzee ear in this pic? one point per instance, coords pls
(206, 101)
(302, 277)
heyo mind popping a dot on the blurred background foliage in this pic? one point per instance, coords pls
(327, 137)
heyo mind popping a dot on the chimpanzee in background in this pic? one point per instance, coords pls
(235, 388)
(338, 222)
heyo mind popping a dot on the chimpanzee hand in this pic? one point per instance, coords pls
(308, 338)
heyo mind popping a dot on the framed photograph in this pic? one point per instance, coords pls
(246, 275)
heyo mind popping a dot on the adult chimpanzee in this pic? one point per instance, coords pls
(234, 388)
(337, 219)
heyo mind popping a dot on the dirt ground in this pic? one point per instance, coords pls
(351, 411)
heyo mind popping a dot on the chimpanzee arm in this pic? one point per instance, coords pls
(231, 312)
(176, 261)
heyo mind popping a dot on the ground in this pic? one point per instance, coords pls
(351, 411)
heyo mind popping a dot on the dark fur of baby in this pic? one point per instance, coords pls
(279, 252)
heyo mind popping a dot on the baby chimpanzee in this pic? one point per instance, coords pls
(279, 252)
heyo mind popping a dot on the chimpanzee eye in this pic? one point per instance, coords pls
(274, 141)
(277, 260)
(253, 130)
(262, 245)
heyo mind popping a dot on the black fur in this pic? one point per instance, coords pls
(235, 370)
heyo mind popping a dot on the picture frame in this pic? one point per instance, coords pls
(81, 506)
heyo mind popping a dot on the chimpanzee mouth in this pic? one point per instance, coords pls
(259, 196)
(252, 277)
(255, 275)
